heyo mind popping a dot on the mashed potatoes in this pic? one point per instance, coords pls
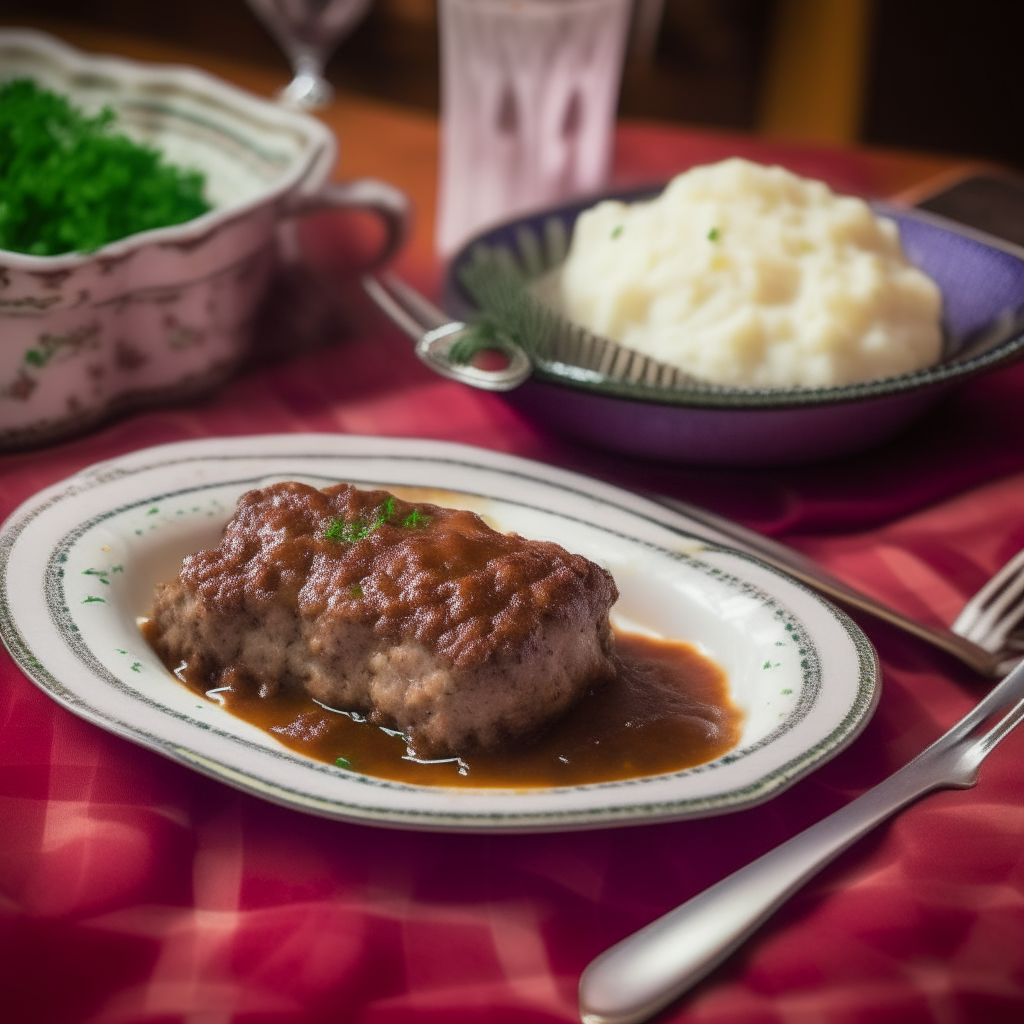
(753, 277)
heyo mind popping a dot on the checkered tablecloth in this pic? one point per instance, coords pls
(134, 890)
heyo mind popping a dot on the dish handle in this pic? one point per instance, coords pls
(390, 204)
(304, 306)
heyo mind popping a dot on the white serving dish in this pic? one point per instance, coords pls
(164, 314)
(78, 563)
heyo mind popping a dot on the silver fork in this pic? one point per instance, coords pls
(992, 616)
(982, 637)
(649, 969)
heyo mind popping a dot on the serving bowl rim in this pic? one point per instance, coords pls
(711, 396)
(321, 154)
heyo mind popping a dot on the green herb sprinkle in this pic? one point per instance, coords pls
(70, 183)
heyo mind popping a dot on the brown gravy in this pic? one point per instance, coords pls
(667, 709)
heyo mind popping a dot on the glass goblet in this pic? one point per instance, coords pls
(309, 31)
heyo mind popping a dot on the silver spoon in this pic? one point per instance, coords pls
(646, 971)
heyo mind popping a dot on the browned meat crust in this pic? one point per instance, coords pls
(422, 617)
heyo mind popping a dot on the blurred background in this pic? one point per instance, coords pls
(937, 75)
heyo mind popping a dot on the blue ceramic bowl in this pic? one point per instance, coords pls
(983, 297)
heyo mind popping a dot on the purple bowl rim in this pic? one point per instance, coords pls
(458, 302)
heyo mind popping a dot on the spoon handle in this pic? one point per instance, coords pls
(647, 970)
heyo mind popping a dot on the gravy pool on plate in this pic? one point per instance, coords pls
(415, 642)
(666, 709)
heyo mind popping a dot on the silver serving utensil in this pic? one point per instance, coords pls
(436, 334)
(646, 971)
(308, 31)
(572, 350)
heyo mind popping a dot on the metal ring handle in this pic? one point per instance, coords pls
(434, 349)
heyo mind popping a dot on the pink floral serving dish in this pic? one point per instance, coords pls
(164, 314)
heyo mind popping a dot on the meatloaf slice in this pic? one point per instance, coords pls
(422, 618)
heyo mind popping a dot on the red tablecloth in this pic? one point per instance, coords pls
(135, 890)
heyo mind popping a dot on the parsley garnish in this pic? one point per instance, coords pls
(349, 533)
(415, 518)
(713, 235)
(617, 231)
(68, 182)
(343, 762)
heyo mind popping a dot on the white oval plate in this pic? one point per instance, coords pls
(78, 563)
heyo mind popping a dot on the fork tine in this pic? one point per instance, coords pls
(997, 621)
(967, 622)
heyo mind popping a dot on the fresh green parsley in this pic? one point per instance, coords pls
(350, 533)
(415, 518)
(71, 183)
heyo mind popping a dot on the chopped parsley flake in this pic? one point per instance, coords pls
(349, 533)
(415, 518)
(69, 182)
(343, 762)
(714, 235)
(617, 231)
